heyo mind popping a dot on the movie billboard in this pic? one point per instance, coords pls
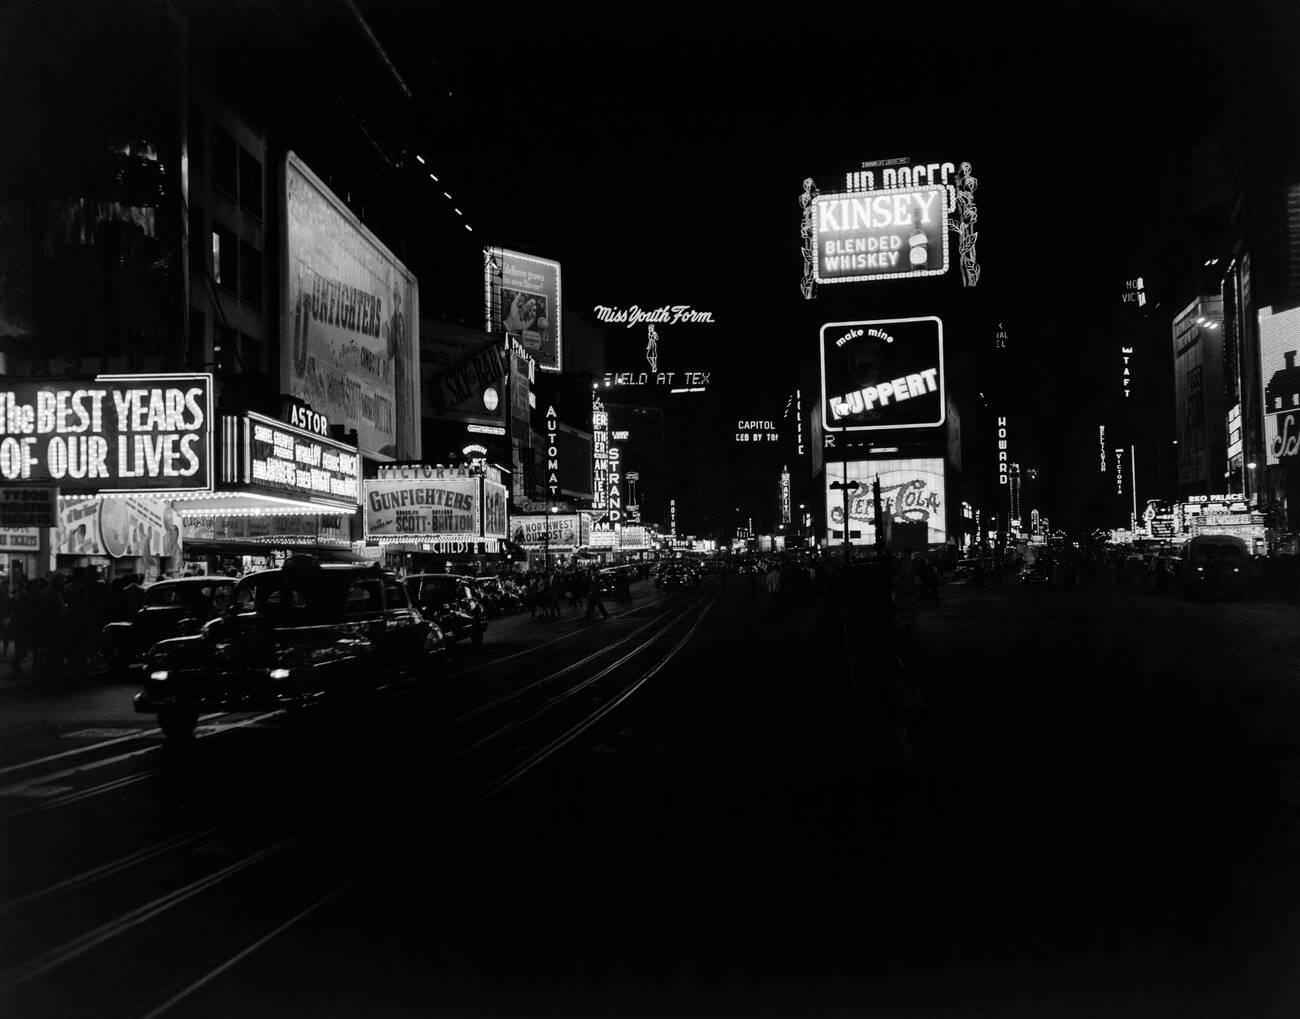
(397, 507)
(349, 321)
(882, 374)
(109, 433)
(872, 235)
(911, 492)
(1279, 341)
(556, 530)
(523, 294)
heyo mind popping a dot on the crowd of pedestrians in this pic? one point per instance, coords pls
(52, 627)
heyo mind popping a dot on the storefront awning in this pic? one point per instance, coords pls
(247, 504)
(233, 547)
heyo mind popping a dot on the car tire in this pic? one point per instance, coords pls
(178, 723)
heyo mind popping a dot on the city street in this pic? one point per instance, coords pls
(679, 811)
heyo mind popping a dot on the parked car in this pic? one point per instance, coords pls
(450, 600)
(292, 636)
(172, 608)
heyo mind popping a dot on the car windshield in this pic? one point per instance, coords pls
(179, 594)
(434, 590)
(293, 599)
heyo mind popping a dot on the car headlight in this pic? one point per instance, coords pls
(158, 676)
(280, 674)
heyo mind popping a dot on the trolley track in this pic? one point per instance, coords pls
(376, 832)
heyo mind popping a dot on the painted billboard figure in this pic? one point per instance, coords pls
(652, 349)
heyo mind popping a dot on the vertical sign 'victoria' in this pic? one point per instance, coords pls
(883, 374)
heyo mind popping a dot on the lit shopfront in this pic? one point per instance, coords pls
(280, 489)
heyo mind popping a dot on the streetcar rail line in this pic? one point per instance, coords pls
(410, 843)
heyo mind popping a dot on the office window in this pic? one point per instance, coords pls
(198, 336)
(250, 274)
(198, 149)
(225, 259)
(225, 163)
(225, 340)
(199, 241)
(250, 353)
(250, 184)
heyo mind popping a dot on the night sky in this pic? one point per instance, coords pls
(657, 150)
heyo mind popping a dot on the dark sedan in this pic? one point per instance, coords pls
(292, 636)
(450, 601)
(172, 608)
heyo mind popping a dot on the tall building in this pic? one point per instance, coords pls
(1200, 397)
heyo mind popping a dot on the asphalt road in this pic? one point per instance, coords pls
(684, 810)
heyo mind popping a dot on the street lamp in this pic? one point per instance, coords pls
(546, 539)
(846, 488)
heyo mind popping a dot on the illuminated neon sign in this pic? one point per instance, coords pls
(883, 374)
(285, 460)
(880, 235)
(668, 314)
(599, 453)
(116, 433)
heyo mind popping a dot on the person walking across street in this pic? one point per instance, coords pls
(594, 600)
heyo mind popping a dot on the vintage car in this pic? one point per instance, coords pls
(292, 636)
(172, 608)
(677, 577)
(451, 601)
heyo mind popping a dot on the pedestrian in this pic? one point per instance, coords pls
(50, 623)
(76, 640)
(773, 585)
(594, 599)
(6, 617)
(26, 610)
(554, 587)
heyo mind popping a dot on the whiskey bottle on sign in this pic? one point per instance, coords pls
(918, 243)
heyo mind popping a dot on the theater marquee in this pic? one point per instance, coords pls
(110, 433)
(882, 375)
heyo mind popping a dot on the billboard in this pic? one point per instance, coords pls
(529, 304)
(911, 492)
(422, 506)
(882, 374)
(870, 235)
(349, 320)
(1279, 340)
(565, 530)
(118, 528)
(110, 433)
(496, 497)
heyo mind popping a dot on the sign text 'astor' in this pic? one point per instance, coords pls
(112, 432)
